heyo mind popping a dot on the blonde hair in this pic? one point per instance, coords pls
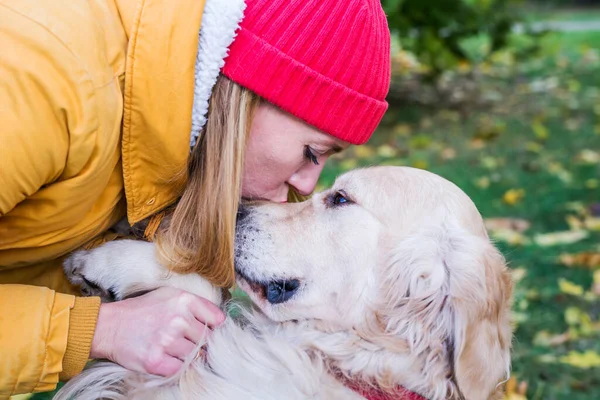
(200, 235)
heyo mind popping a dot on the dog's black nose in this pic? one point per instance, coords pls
(278, 292)
(242, 213)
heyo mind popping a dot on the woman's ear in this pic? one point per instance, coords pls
(482, 326)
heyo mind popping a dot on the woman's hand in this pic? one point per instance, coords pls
(155, 332)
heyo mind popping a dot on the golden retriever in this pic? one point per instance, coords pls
(385, 282)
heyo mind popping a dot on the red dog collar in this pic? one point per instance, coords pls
(370, 393)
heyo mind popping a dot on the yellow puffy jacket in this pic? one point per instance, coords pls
(95, 118)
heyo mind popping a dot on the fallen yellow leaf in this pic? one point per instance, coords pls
(515, 390)
(511, 237)
(421, 164)
(569, 287)
(576, 206)
(483, 182)
(547, 358)
(576, 316)
(349, 163)
(448, 153)
(420, 142)
(583, 222)
(574, 223)
(557, 169)
(515, 224)
(518, 274)
(508, 230)
(533, 147)
(488, 129)
(405, 61)
(563, 237)
(592, 183)
(588, 156)
(364, 151)
(546, 339)
(386, 151)
(513, 196)
(477, 144)
(490, 162)
(402, 130)
(585, 360)
(592, 223)
(464, 66)
(540, 131)
(586, 259)
(596, 284)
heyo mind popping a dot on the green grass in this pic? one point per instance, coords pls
(570, 43)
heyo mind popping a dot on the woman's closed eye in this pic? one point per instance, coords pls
(310, 155)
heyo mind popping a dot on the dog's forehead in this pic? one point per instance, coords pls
(390, 178)
(408, 192)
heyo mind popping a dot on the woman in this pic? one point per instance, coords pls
(100, 102)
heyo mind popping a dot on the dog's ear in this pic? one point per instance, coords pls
(447, 296)
(482, 330)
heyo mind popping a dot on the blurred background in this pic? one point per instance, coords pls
(502, 97)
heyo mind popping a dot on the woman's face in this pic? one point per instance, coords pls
(284, 152)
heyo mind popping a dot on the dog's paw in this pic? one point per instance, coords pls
(81, 268)
(125, 268)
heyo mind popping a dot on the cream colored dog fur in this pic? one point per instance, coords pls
(395, 283)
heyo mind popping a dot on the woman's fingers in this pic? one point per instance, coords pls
(206, 312)
(166, 366)
(181, 349)
(197, 332)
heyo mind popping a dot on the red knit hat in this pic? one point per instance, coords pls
(324, 61)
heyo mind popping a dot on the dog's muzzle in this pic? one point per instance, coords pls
(275, 291)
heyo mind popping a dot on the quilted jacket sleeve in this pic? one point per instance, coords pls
(34, 327)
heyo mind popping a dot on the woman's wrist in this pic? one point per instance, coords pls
(103, 336)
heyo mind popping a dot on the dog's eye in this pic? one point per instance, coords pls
(340, 198)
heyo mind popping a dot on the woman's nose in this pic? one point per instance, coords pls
(305, 180)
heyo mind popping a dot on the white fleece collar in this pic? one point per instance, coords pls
(220, 20)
